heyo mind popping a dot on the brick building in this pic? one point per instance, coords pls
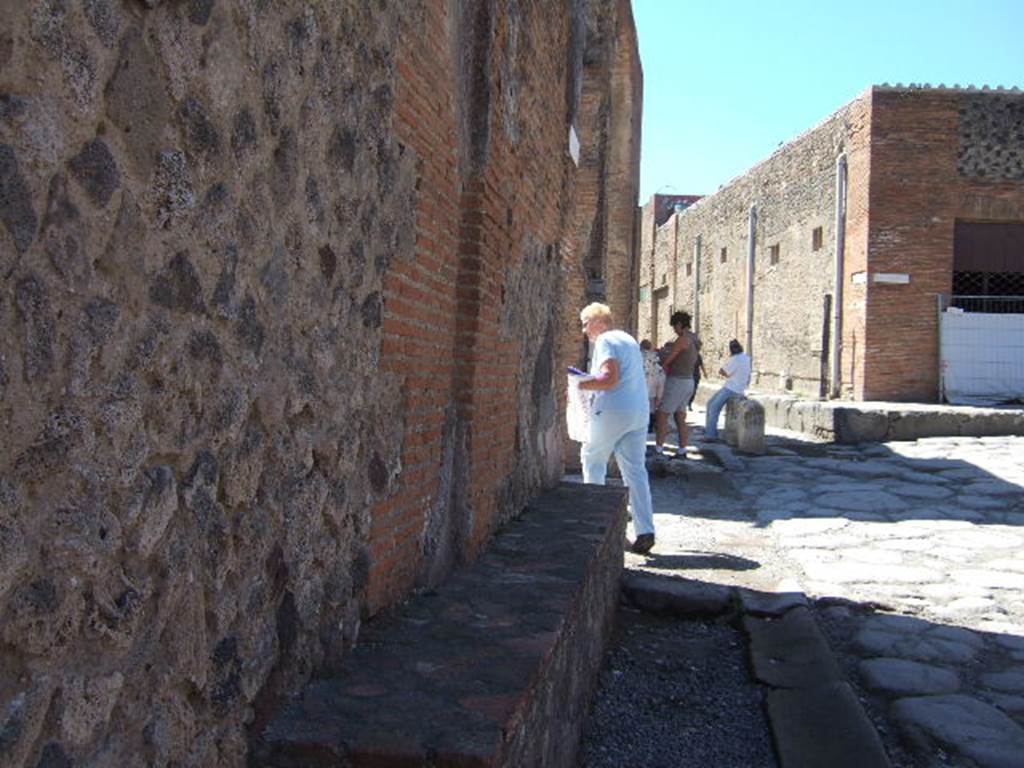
(286, 290)
(912, 187)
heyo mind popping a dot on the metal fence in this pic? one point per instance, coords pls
(981, 349)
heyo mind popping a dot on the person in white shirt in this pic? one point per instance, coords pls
(618, 416)
(737, 374)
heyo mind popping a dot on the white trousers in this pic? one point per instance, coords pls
(623, 433)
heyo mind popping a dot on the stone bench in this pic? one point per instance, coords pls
(496, 667)
(744, 425)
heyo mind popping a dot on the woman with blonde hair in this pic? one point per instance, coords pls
(618, 417)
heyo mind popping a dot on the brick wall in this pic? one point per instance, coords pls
(923, 179)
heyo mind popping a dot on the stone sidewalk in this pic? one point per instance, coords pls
(910, 555)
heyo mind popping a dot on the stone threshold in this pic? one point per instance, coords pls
(496, 667)
(849, 421)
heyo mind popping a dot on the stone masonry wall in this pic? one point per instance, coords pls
(283, 298)
(793, 192)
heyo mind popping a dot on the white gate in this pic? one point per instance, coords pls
(981, 349)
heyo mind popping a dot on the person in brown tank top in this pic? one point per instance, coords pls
(679, 365)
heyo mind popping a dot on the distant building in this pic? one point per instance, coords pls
(927, 187)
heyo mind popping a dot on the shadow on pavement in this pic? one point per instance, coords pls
(700, 561)
(866, 483)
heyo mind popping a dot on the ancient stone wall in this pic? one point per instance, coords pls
(700, 255)
(284, 298)
(919, 160)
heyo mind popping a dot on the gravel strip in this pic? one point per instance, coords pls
(676, 693)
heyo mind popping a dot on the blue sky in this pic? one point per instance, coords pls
(726, 82)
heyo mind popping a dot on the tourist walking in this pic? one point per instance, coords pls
(679, 366)
(618, 416)
(736, 371)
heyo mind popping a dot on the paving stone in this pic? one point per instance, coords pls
(962, 473)
(864, 501)
(768, 516)
(917, 514)
(869, 556)
(1012, 705)
(787, 595)
(901, 677)
(953, 554)
(922, 478)
(867, 517)
(917, 491)
(847, 573)
(1011, 642)
(905, 545)
(999, 626)
(824, 726)
(982, 539)
(962, 514)
(723, 455)
(968, 605)
(916, 639)
(946, 591)
(987, 578)
(964, 726)
(782, 495)
(839, 487)
(972, 501)
(790, 652)
(1010, 681)
(809, 527)
(861, 469)
(1007, 564)
(934, 465)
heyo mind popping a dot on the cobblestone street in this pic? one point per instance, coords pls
(910, 555)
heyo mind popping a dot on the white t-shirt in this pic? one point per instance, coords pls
(738, 367)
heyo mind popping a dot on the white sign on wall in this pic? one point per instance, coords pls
(574, 145)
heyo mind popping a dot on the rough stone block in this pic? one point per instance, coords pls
(744, 425)
(963, 725)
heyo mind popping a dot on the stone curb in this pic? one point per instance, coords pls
(823, 725)
(680, 597)
(816, 718)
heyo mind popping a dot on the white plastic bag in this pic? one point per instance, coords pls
(578, 404)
